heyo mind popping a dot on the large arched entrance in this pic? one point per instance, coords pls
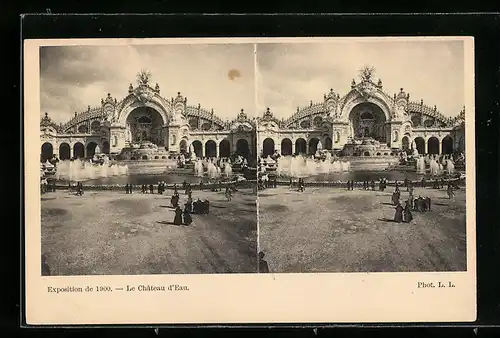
(405, 143)
(183, 146)
(328, 143)
(210, 149)
(47, 152)
(197, 148)
(300, 146)
(224, 148)
(433, 145)
(105, 147)
(145, 124)
(313, 146)
(242, 148)
(286, 147)
(64, 151)
(268, 147)
(78, 150)
(420, 145)
(368, 121)
(447, 145)
(91, 147)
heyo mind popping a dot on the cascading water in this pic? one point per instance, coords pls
(421, 165)
(300, 166)
(77, 170)
(450, 167)
(212, 171)
(228, 170)
(198, 168)
(434, 167)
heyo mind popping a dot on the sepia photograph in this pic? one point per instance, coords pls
(148, 159)
(188, 172)
(362, 156)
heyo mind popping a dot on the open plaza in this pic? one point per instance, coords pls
(113, 233)
(327, 229)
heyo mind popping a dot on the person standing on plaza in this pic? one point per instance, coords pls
(398, 217)
(408, 217)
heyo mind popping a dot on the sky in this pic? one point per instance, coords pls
(293, 74)
(217, 76)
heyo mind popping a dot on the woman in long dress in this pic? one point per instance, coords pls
(178, 216)
(398, 217)
(407, 212)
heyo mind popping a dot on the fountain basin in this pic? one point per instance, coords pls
(368, 163)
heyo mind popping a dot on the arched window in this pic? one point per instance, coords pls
(396, 136)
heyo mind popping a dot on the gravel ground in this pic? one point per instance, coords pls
(112, 233)
(335, 230)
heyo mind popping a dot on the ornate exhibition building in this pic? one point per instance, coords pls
(365, 113)
(146, 126)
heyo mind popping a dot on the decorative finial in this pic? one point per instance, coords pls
(366, 73)
(298, 109)
(268, 109)
(421, 102)
(76, 114)
(109, 94)
(242, 110)
(88, 108)
(46, 114)
(199, 106)
(143, 77)
(311, 103)
(178, 93)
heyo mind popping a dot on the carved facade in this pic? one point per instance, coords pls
(366, 111)
(146, 116)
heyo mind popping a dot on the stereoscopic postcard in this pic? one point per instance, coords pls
(234, 181)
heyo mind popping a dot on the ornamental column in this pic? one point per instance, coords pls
(293, 148)
(203, 154)
(216, 149)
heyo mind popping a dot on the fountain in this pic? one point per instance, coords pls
(78, 170)
(198, 168)
(421, 165)
(300, 166)
(450, 167)
(228, 170)
(368, 154)
(434, 167)
(211, 170)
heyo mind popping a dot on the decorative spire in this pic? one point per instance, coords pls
(143, 77)
(366, 73)
(157, 88)
(130, 88)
